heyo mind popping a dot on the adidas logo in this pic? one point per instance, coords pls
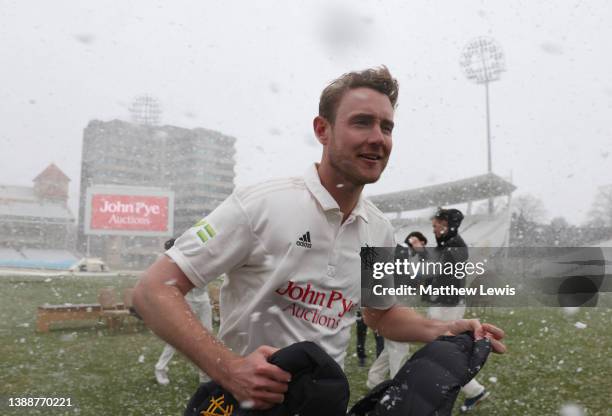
(304, 241)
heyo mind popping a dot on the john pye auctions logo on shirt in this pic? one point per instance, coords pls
(308, 295)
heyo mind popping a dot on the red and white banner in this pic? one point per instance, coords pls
(129, 213)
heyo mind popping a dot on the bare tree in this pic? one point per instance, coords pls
(531, 208)
(600, 214)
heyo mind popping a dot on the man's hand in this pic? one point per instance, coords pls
(415, 242)
(254, 382)
(404, 324)
(251, 379)
(493, 333)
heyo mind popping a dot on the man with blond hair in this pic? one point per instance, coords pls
(290, 250)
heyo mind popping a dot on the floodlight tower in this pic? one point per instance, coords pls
(482, 61)
(146, 110)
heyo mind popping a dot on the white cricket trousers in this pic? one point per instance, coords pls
(388, 363)
(202, 309)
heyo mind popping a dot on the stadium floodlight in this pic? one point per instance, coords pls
(482, 61)
(145, 110)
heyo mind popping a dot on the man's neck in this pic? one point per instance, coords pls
(345, 193)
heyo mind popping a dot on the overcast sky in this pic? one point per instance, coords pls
(254, 70)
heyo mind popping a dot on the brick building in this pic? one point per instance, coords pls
(37, 229)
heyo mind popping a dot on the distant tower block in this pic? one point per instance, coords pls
(145, 110)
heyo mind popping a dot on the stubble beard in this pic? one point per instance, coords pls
(348, 170)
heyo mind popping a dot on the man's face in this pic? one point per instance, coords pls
(359, 142)
(439, 227)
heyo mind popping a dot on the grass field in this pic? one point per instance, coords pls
(550, 361)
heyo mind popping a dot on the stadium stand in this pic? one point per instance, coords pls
(32, 258)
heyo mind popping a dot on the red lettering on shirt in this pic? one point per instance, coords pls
(308, 295)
